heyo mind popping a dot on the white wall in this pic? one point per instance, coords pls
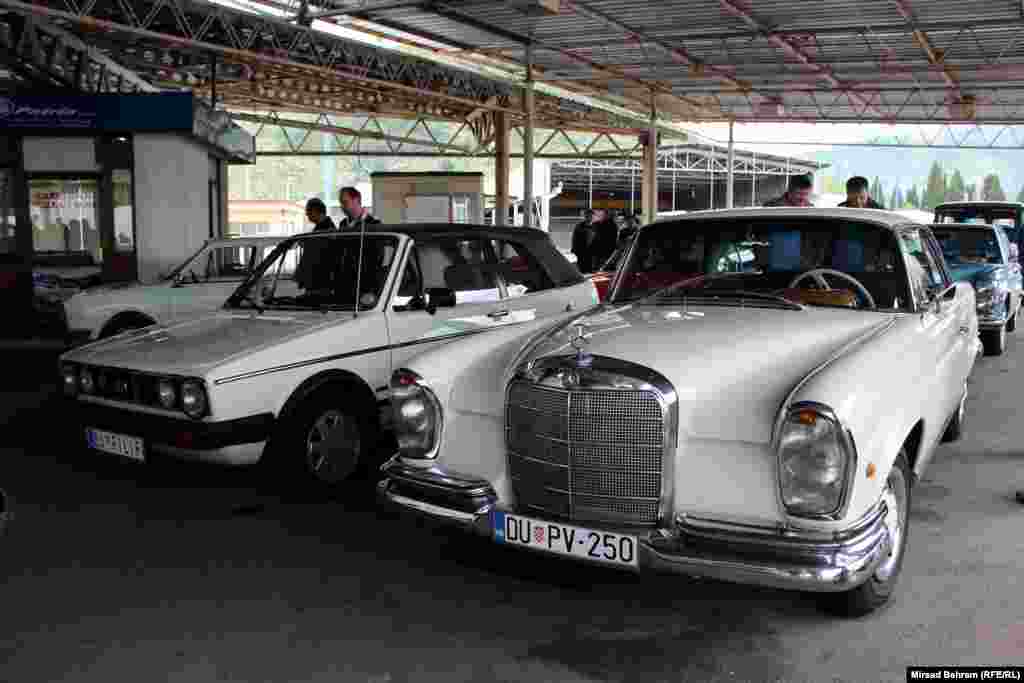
(172, 202)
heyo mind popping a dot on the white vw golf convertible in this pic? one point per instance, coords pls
(296, 363)
(752, 403)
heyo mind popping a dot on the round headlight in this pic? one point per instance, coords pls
(166, 393)
(417, 413)
(193, 399)
(814, 459)
(70, 380)
(85, 381)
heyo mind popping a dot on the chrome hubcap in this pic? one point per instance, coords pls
(332, 446)
(895, 498)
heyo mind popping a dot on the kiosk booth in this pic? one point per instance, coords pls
(106, 188)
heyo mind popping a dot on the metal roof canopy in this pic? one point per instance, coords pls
(691, 163)
(598, 64)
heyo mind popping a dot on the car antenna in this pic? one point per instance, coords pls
(359, 265)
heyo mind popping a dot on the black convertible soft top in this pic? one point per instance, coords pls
(561, 271)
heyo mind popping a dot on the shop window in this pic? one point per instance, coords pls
(64, 217)
(124, 224)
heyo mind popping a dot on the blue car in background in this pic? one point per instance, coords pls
(984, 256)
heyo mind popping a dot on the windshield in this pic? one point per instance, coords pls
(1008, 217)
(969, 246)
(319, 272)
(767, 256)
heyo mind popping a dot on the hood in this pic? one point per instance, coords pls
(196, 346)
(731, 367)
(972, 272)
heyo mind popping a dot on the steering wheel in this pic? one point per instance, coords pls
(817, 275)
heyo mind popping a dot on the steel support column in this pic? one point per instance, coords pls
(528, 108)
(650, 172)
(730, 178)
(502, 162)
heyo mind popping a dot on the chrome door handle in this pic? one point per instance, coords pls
(497, 314)
(964, 329)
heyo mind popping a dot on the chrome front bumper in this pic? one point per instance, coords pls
(787, 560)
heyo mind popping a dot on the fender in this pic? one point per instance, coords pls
(312, 384)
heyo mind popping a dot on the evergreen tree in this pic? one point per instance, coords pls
(935, 190)
(991, 190)
(956, 191)
(913, 201)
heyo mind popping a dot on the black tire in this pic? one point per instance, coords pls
(878, 589)
(124, 323)
(314, 421)
(994, 341)
(955, 428)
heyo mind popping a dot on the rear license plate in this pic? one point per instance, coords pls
(563, 539)
(118, 444)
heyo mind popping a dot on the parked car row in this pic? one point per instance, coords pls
(751, 400)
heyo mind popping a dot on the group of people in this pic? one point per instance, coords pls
(311, 273)
(799, 188)
(356, 215)
(598, 235)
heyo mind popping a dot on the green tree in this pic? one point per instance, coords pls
(956, 190)
(935, 191)
(1020, 195)
(913, 200)
(877, 190)
(991, 190)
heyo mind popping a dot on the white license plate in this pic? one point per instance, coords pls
(563, 539)
(118, 444)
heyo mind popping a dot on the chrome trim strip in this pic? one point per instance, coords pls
(435, 510)
(349, 354)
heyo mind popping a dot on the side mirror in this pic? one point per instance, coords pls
(438, 297)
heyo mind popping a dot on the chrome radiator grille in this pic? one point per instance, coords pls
(586, 454)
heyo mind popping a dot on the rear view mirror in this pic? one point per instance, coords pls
(439, 297)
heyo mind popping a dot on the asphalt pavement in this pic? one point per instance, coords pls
(115, 572)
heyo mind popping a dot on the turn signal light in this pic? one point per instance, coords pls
(871, 470)
(807, 417)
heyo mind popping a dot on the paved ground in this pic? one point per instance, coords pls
(110, 572)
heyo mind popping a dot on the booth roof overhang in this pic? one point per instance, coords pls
(155, 112)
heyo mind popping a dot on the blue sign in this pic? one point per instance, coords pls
(150, 112)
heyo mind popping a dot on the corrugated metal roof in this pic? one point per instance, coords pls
(863, 45)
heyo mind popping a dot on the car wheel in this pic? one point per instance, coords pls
(329, 441)
(955, 428)
(878, 589)
(994, 341)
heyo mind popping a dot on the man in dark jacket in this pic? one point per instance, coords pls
(316, 212)
(356, 215)
(314, 272)
(583, 236)
(606, 239)
(798, 192)
(857, 196)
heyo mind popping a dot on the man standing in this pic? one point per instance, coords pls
(798, 192)
(356, 215)
(583, 236)
(857, 196)
(316, 213)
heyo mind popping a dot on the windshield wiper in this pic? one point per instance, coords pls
(710, 295)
